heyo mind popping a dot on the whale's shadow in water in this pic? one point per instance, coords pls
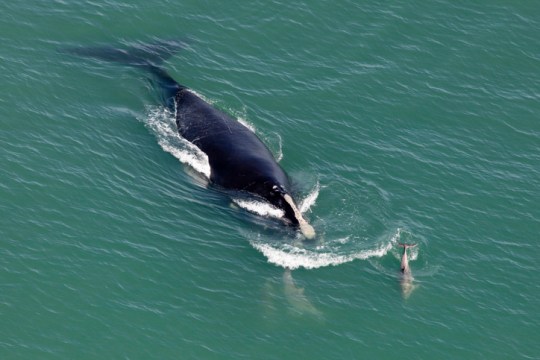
(288, 293)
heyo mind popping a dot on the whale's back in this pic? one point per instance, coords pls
(238, 158)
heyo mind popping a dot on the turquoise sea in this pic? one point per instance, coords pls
(397, 121)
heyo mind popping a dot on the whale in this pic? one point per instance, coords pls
(406, 280)
(238, 159)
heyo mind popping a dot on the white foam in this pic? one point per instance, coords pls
(199, 95)
(412, 251)
(259, 207)
(293, 257)
(246, 124)
(264, 208)
(162, 124)
(279, 155)
(413, 255)
(310, 199)
(395, 238)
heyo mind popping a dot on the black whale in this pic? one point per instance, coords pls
(238, 158)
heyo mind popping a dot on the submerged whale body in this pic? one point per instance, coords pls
(238, 159)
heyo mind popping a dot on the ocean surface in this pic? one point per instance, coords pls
(413, 122)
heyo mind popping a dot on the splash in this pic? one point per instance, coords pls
(293, 257)
(162, 124)
(405, 237)
(310, 199)
(246, 124)
(259, 207)
(279, 155)
(396, 237)
(266, 209)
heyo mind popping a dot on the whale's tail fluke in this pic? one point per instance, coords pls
(146, 56)
(406, 246)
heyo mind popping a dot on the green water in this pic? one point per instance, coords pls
(397, 121)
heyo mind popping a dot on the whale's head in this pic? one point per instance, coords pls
(281, 199)
(276, 196)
